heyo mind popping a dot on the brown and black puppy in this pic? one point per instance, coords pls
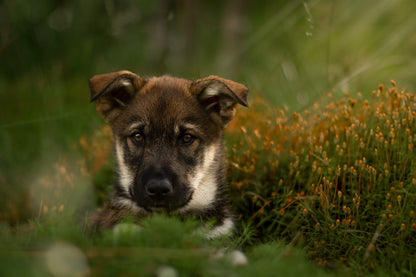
(168, 136)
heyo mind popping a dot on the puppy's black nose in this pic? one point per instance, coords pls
(158, 187)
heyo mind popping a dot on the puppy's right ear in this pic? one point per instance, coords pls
(113, 91)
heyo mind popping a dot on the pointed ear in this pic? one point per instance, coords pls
(113, 91)
(219, 97)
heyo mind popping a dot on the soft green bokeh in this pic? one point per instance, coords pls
(291, 53)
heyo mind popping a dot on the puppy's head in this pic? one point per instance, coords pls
(168, 136)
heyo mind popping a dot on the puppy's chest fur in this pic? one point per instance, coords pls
(168, 145)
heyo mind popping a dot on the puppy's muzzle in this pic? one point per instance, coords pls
(158, 188)
(162, 190)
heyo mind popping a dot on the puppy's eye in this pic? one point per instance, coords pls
(137, 137)
(187, 139)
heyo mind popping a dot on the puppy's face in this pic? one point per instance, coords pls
(168, 137)
(164, 140)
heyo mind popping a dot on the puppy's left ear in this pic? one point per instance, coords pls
(219, 97)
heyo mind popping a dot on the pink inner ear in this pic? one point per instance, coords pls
(212, 103)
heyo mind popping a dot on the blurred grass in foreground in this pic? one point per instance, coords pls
(163, 245)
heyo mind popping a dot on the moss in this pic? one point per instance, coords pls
(339, 179)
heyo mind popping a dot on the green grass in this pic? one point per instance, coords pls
(54, 245)
(305, 195)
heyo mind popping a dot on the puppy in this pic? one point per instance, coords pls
(168, 141)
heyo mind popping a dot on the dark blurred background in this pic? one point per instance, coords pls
(291, 53)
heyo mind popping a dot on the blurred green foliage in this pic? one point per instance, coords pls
(291, 53)
(164, 244)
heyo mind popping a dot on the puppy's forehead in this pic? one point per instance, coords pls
(164, 101)
(166, 95)
(166, 82)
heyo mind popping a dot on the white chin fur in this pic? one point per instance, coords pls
(204, 182)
